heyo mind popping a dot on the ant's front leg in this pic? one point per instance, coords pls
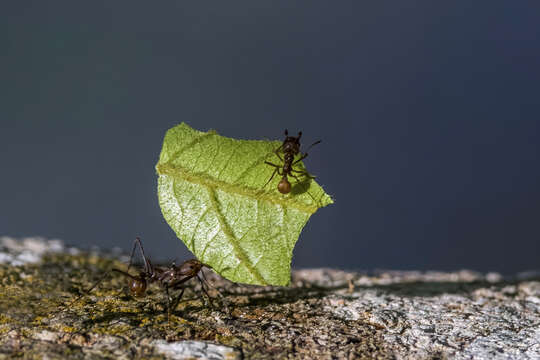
(277, 152)
(304, 155)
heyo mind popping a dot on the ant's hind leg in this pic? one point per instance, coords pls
(273, 174)
(124, 273)
(133, 252)
(148, 268)
(294, 176)
(305, 173)
(300, 158)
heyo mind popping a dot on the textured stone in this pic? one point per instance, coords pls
(323, 314)
(195, 350)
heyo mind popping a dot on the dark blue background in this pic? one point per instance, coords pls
(428, 111)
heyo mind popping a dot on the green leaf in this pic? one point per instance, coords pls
(211, 192)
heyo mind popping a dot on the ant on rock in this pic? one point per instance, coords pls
(290, 148)
(170, 278)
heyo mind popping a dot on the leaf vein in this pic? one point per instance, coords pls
(196, 227)
(210, 182)
(208, 243)
(238, 251)
(194, 142)
(251, 166)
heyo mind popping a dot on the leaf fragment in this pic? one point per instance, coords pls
(212, 194)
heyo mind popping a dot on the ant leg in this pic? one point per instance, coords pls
(132, 253)
(219, 294)
(305, 173)
(273, 174)
(304, 155)
(274, 165)
(206, 292)
(177, 299)
(294, 176)
(277, 152)
(168, 304)
(300, 158)
(278, 168)
(148, 268)
(124, 273)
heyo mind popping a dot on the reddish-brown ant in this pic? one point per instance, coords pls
(170, 278)
(290, 148)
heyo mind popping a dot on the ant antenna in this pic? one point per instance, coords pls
(312, 145)
(87, 292)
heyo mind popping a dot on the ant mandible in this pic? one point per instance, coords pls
(290, 148)
(170, 278)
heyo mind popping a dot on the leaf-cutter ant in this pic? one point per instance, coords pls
(170, 278)
(290, 148)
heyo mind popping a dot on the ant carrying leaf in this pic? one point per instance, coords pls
(170, 278)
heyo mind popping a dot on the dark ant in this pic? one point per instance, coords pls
(290, 148)
(172, 277)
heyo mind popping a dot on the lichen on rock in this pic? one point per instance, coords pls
(323, 314)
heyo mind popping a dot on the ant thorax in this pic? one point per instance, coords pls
(287, 163)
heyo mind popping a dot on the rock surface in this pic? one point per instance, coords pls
(323, 314)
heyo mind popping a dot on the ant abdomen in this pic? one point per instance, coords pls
(284, 186)
(137, 287)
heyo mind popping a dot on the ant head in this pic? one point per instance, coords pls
(295, 138)
(137, 286)
(284, 186)
(190, 267)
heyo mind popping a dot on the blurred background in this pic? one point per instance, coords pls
(429, 113)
